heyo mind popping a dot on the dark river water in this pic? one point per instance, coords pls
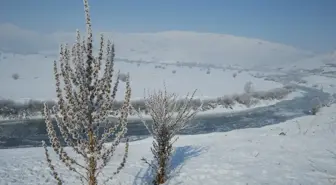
(29, 133)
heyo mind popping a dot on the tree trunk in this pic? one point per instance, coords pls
(92, 160)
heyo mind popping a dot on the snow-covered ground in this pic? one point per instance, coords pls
(299, 155)
(247, 156)
(36, 80)
(321, 82)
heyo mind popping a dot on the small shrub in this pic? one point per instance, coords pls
(315, 85)
(15, 76)
(282, 134)
(123, 77)
(174, 71)
(244, 99)
(302, 81)
(234, 75)
(162, 106)
(248, 87)
(317, 104)
(315, 110)
(226, 101)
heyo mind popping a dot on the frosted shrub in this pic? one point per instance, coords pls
(169, 116)
(123, 77)
(244, 99)
(248, 87)
(15, 76)
(84, 102)
(302, 81)
(316, 105)
(226, 101)
(315, 109)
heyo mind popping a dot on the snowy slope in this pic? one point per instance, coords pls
(204, 48)
(36, 80)
(172, 46)
(314, 62)
(248, 156)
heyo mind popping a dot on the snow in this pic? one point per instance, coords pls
(247, 156)
(321, 82)
(208, 48)
(185, 80)
(167, 46)
(255, 156)
(36, 80)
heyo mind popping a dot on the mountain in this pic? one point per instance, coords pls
(168, 46)
(219, 49)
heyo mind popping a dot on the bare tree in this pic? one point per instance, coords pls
(85, 99)
(169, 116)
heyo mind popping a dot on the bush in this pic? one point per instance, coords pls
(15, 76)
(164, 127)
(226, 101)
(248, 87)
(315, 110)
(244, 99)
(123, 77)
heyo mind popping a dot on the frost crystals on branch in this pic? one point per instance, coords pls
(85, 99)
(169, 116)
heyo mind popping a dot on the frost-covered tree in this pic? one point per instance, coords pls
(85, 99)
(169, 115)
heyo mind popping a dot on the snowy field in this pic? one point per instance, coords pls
(297, 151)
(36, 80)
(248, 156)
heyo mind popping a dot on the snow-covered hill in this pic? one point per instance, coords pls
(168, 46)
(318, 61)
(204, 48)
(36, 80)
